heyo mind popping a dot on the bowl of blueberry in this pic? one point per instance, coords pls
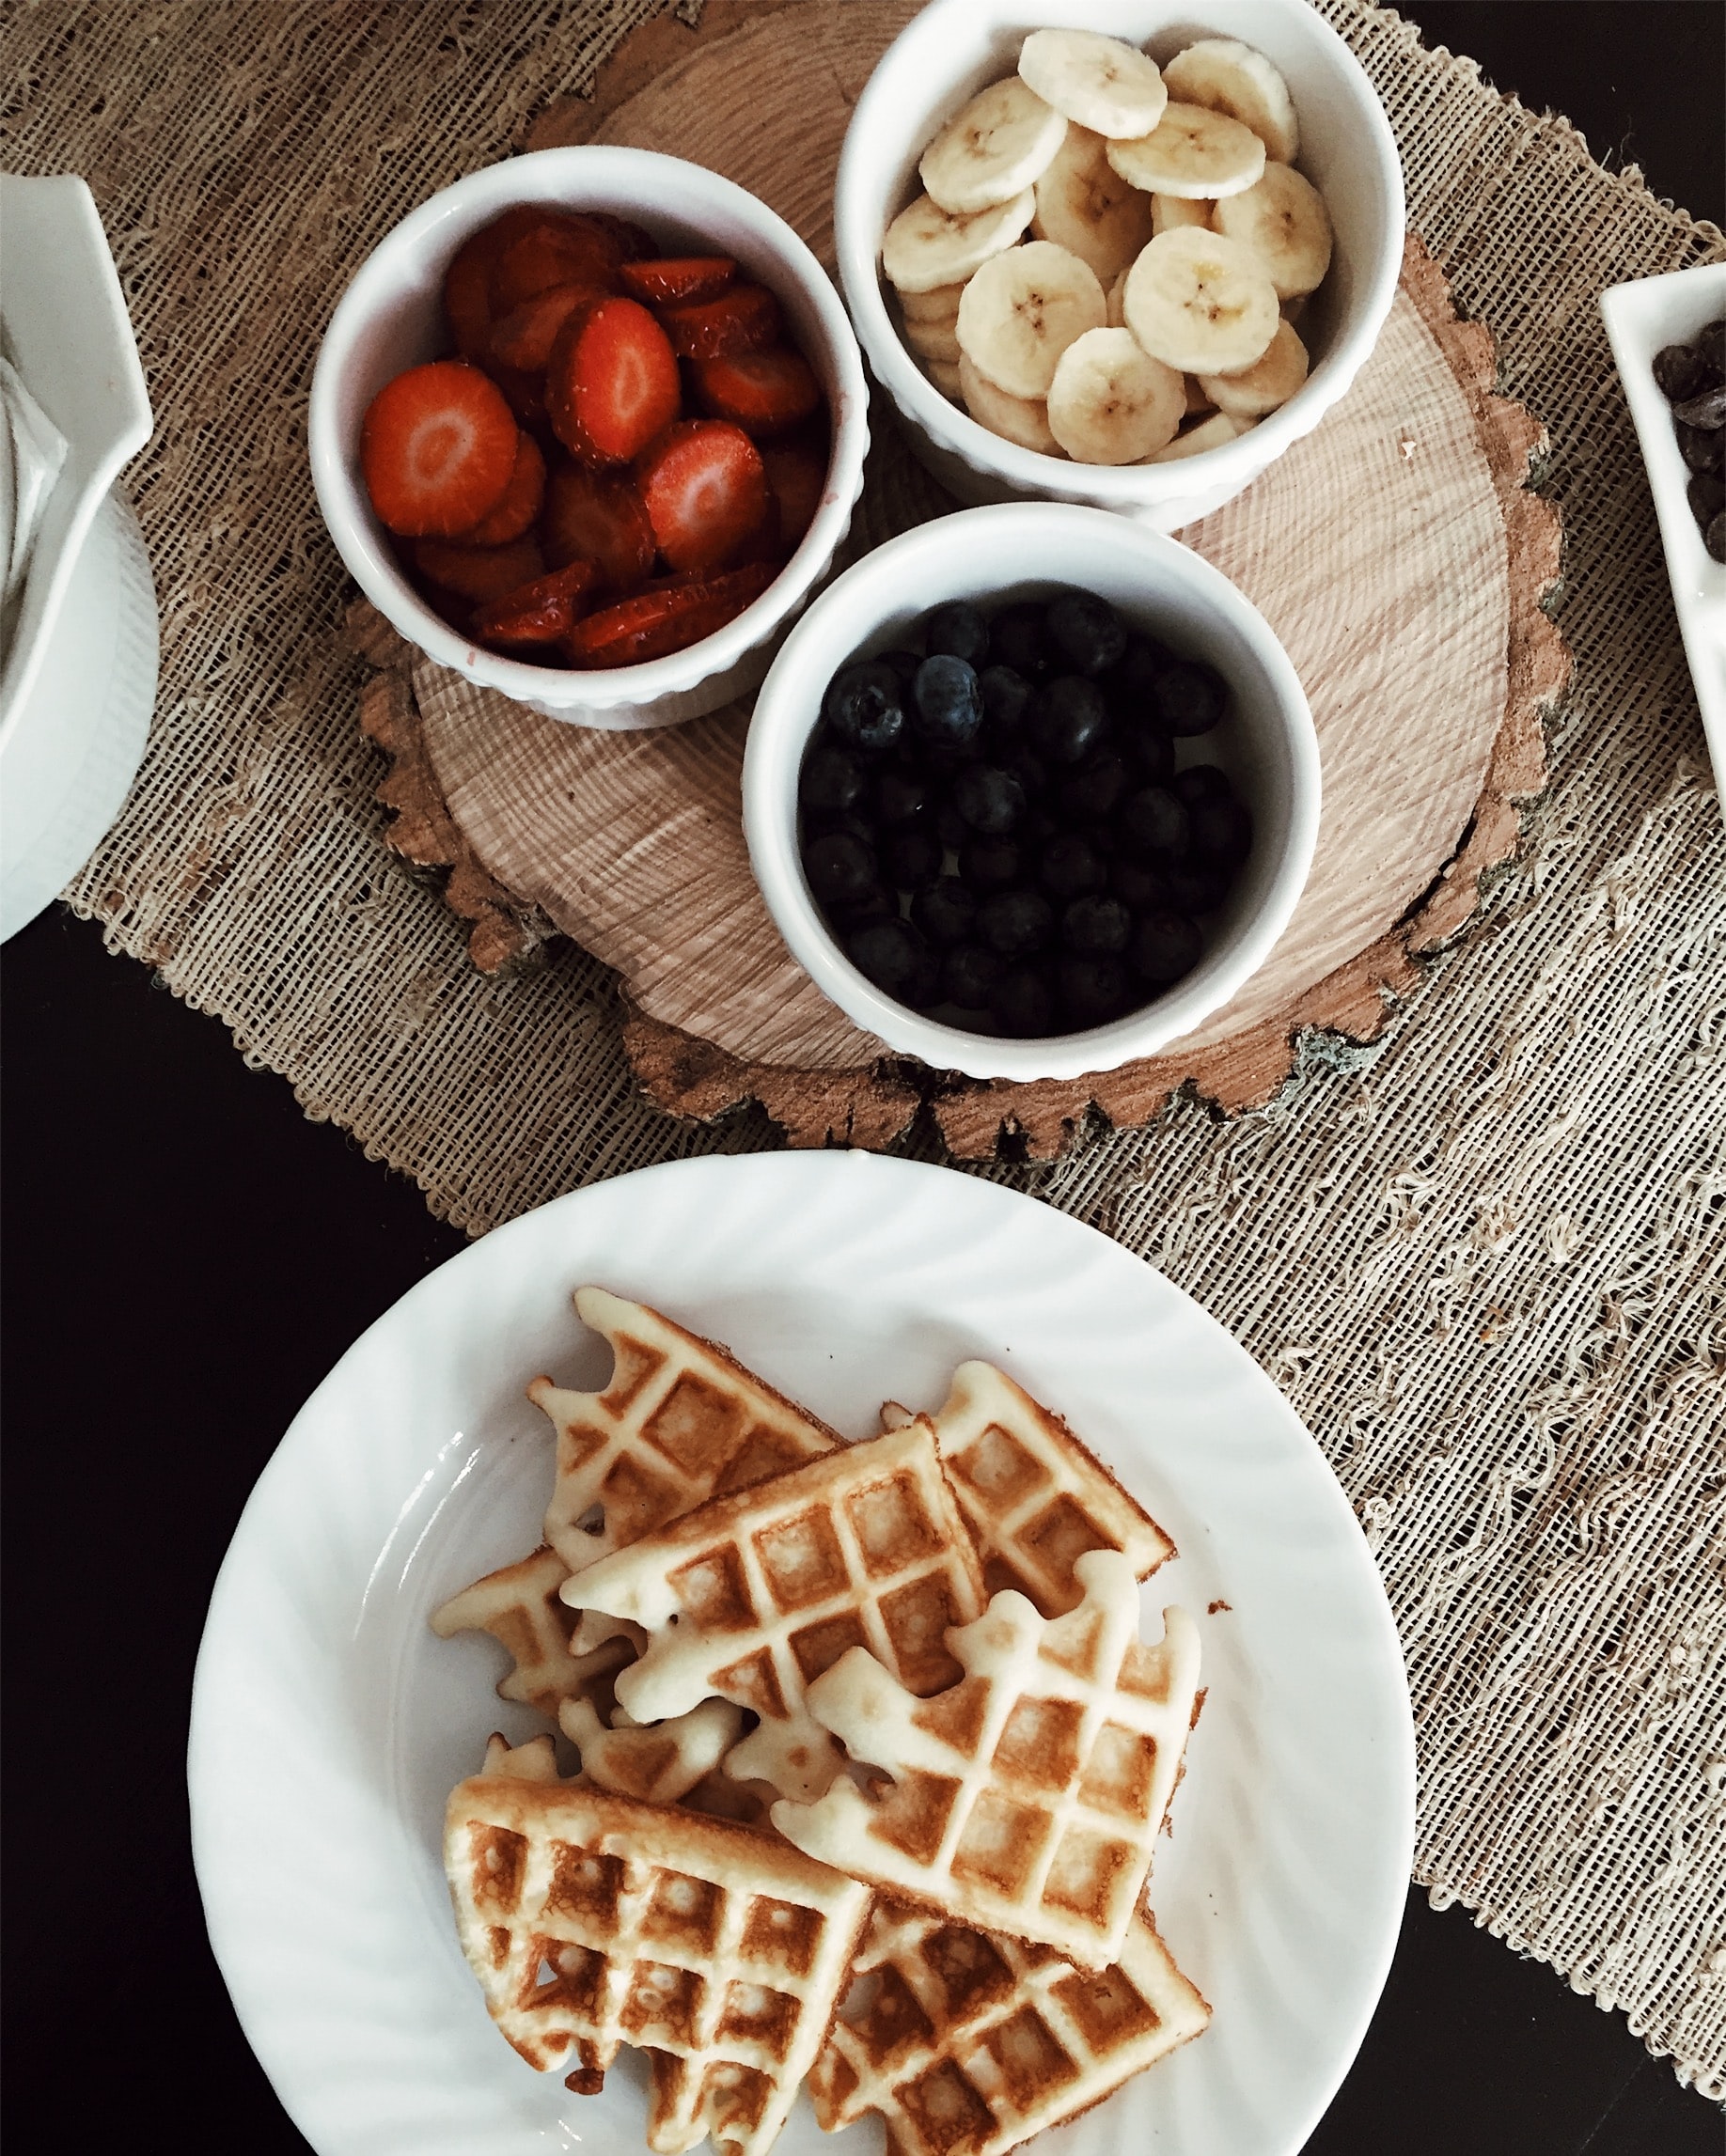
(1031, 791)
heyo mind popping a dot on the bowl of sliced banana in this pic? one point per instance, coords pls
(1114, 253)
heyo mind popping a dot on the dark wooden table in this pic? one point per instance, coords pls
(185, 1258)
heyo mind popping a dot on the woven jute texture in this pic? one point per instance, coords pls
(1486, 1257)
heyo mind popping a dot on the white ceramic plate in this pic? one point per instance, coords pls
(1640, 319)
(329, 1724)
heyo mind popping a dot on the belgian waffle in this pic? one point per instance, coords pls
(1027, 1798)
(659, 1765)
(679, 1421)
(753, 1596)
(592, 1921)
(519, 1606)
(1034, 1497)
(965, 2042)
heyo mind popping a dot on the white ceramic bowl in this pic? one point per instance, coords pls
(1642, 319)
(1029, 551)
(390, 317)
(1347, 150)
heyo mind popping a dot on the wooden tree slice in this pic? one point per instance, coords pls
(1394, 551)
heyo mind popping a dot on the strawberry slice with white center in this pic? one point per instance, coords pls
(611, 383)
(765, 391)
(598, 517)
(437, 450)
(706, 494)
(667, 616)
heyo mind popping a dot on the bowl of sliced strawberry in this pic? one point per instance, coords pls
(588, 428)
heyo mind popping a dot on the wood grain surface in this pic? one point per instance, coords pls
(1394, 550)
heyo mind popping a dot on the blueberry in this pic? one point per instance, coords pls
(947, 705)
(892, 955)
(1025, 765)
(1091, 790)
(841, 869)
(1128, 686)
(856, 821)
(990, 864)
(910, 857)
(1016, 639)
(1097, 924)
(1220, 831)
(902, 797)
(1022, 1003)
(1086, 632)
(1200, 782)
(1139, 885)
(831, 780)
(1678, 371)
(959, 630)
(1153, 821)
(1072, 867)
(1151, 752)
(877, 903)
(1007, 698)
(904, 665)
(945, 911)
(1198, 886)
(865, 707)
(1188, 698)
(950, 827)
(970, 973)
(1092, 987)
(990, 800)
(1165, 946)
(1015, 923)
(1068, 720)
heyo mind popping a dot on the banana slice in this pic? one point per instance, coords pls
(941, 305)
(935, 341)
(1191, 152)
(1198, 301)
(1210, 434)
(945, 378)
(1021, 419)
(1085, 206)
(1110, 402)
(1197, 401)
(1283, 219)
(992, 149)
(1232, 78)
(1022, 310)
(1168, 212)
(1115, 303)
(1267, 383)
(926, 249)
(1097, 82)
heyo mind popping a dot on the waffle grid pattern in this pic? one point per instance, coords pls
(593, 1921)
(678, 1422)
(963, 2040)
(754, 1596)
(1026, 1799)
(519, 1605)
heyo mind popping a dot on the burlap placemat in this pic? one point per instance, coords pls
(1486, 1258)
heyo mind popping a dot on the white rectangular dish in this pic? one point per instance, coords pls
(1642, 319)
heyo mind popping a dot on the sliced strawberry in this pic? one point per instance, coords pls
(524, 337)
(797, 472)
(437, 450)
(634, 244)
(482, 573)
(765, 391)
(526, 392)
(522, 499)
(678, 281)
(537, 613)
(598, 517)
(467, 282)
(742, 320)
(612, 382)
(558, 249)
(706, 494)
(667, 616)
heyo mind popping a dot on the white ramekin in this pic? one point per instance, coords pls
(1347, 149)
(1027, 551)
(390, 317)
